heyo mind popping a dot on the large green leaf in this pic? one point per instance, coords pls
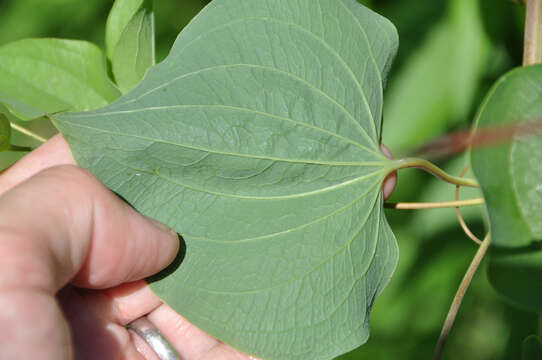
(510, 175)
(257, 139)
(134, 51)
(40, 76)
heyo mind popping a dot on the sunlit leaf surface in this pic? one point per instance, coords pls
(40, 76)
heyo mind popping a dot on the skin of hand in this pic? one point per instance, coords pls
(72, 256)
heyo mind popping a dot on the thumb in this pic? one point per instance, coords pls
(63, 225)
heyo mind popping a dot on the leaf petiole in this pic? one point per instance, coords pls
(434, 205)
(462, 222)
(434, 170)
(28, 133)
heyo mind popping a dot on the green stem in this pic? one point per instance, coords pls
(433, 205)
(27, 132)
(434, 170)
(456, 303)
(532, 52)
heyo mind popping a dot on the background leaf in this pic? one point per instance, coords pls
(120, 16)
(5, 133)
(19, 141)
(77, 19)
(510, 175)
(134, 51)
(515, 274)
(257, 140)
(532, 348)
(438, 84)
(514, 197)
(51, 75)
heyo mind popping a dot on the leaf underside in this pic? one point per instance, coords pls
(510, 175)
(257, 139)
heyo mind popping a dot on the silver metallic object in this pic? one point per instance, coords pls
(156, 341)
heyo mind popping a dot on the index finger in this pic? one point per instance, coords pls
(124, 303)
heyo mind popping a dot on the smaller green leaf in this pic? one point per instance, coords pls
(40, 76)
(510, 174)
(8, 158)
(531, 348)
(5, 133)
(20, 110)
(119, 17)
(134, 52)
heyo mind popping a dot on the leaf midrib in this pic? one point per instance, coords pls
(261, 157)
(251, 197)
(235, 108)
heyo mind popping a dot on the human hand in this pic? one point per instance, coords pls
(72, 256)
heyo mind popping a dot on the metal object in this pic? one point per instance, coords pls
(152, 336)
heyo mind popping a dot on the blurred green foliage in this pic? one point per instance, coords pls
(451, 52)
(532, 348)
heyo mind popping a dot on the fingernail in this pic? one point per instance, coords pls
(160, 226)
(171, 248)
(164, 228)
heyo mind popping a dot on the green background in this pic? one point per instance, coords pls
(451, 52)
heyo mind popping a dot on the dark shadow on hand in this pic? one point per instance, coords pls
(173, 266)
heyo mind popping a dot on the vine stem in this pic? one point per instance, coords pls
(456, 303)
(434, 170)
(27, 132)
(434, 205)
(532, 51)
(464, 226)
